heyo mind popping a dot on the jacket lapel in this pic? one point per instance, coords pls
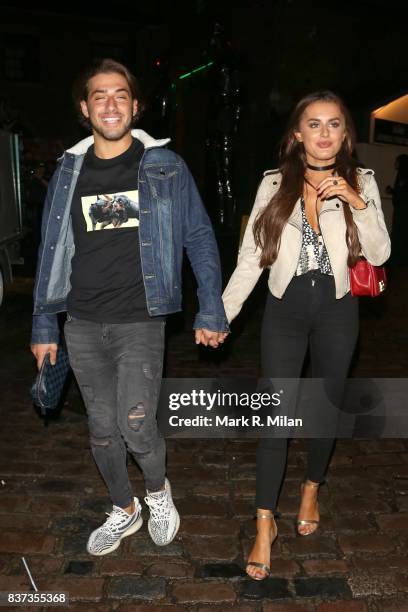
(295, 218)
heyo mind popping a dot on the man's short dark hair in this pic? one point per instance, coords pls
(105, 66)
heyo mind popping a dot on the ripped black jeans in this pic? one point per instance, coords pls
(118, 368)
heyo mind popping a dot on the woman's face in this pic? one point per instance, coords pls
(322, 129)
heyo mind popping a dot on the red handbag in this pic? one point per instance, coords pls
(366, 279)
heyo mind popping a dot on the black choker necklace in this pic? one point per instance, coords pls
(321, 168)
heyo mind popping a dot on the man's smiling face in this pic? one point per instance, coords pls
(109, 105)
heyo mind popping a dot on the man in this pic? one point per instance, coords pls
(118, 212)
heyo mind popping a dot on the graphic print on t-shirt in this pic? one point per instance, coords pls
(111, 210)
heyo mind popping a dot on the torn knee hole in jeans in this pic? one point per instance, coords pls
(136, 416)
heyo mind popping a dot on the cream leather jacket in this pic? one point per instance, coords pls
(372, 232)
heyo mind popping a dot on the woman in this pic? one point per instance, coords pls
(309, 223)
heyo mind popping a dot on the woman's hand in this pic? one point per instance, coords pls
(209, 338)
(338, 186)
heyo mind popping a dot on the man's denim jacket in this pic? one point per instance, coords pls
(172, 216)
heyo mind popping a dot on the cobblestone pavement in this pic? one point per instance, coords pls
(51, 496)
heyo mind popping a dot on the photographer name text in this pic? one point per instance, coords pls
(227, 421)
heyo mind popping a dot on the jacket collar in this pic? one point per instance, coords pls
(81, 147)
(295, 217)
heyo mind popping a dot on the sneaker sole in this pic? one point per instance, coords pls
(135, 527)
(172, 537)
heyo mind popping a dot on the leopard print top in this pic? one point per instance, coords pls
(313, 252)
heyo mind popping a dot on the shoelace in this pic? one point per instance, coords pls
(112, 523)
(159, 507)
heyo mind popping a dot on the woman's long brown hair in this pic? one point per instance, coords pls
(270, 222)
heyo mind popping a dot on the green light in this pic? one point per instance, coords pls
(199, 69)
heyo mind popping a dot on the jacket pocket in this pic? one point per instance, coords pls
(161, 181)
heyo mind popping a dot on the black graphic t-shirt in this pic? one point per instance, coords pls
(106, 279)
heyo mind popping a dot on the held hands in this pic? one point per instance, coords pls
(209, 338)
(202, 336)
(40, 350)
(338, 186)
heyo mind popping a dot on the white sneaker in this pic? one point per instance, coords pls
(164, 520)
(118, 525)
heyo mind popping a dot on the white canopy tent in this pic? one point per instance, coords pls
(396, 110)
(388, 139)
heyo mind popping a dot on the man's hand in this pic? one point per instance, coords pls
(40, 350)
(209, 338)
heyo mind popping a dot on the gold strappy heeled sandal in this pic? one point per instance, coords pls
(300, 522)
(265, 568)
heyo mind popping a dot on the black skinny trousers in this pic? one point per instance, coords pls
(308, 315)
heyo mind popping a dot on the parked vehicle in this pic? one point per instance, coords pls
(11, 226)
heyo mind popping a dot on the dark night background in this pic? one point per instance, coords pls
(51, 493)
(282, 48)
